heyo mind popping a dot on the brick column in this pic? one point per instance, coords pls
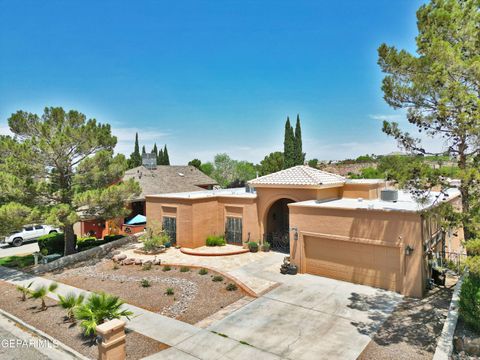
(112, 346)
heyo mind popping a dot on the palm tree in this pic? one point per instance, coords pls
(42, 292)
(97, 309)
(25, 290)
(69, 303)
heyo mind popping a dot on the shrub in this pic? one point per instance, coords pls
(97, 309)
(53, 243)
(166, 268)
(42, 292)
(470, 301)
(217, 278)
(81, 240)
(203, 271)
(112, 237)
(253, 246)
(184, 269)
(24, 290)
(115, 266)
(473, 247)
(70, 302)
(473, 264)
(147, 266)
(231, 287)
(214, 240)
(169, 291)
(145, 283)
(266, 246)
(154, 237)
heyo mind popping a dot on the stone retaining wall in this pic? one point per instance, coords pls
(96, 252)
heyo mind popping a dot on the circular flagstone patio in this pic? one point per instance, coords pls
(215, 250)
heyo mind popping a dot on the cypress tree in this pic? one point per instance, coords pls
(135, 157)
(289, 146)
(160, 157)
(155, 150)
(143, 150)
(299, 155)
(166, 159)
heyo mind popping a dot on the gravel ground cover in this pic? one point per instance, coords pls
(194, 296)
(412, 331)
(52, 321)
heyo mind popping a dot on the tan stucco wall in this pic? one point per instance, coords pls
(365, 191)
(392, 229)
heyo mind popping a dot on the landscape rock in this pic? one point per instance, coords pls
(157, 262)
(128, 261)
(119, 257)
(138, 261)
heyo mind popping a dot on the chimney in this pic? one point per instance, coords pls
(149, 161)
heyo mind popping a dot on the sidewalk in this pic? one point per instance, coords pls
(186, 341)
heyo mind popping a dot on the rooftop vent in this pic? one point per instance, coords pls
(149, 161)
(389, 195)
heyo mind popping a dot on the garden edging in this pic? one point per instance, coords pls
(43, 335)
(95, 252)
(444, 348)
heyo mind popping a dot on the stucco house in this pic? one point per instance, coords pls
(153, 179)
(352, 230)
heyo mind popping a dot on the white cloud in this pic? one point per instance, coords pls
(388, 117)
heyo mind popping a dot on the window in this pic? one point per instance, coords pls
(169, 225)
(28, 228)
(38, 227)
(233, 230)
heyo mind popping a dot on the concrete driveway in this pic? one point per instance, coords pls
(25, 249)
(309, 317)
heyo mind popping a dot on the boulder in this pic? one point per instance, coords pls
(119, 257)
(128, 261)
(138, 261)
(157, 262)
(147, 262)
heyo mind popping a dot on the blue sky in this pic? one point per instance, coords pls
(208, 76)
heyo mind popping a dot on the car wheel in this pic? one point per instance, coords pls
(17, 242)
(53, 232)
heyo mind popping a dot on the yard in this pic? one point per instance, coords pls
(52, 321)
(180, 292)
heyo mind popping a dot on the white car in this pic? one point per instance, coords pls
(29, 233)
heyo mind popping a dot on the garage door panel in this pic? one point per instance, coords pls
(366, 264)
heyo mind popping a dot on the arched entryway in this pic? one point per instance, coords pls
(277, 226)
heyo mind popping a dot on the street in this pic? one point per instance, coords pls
(25, 249)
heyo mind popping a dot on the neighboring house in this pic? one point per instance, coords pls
(330, 226)
(153, 179)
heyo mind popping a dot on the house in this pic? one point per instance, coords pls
(352, 230)
(153, 179)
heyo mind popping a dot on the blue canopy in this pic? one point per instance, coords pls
(137, 219)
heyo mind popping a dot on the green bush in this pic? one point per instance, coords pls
(184, 269)
(169, 291)
(473, 265)
(81, 240)
(112, 237)
(217, 278)
(53, 243)
(231, 287)
(470, 301)
(166, 268)
(253, 246)
(203, 271)
(145, 283)
(88, 243)
(214, 240)
(473, 247)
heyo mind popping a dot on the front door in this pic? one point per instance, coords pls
(233, 230)
(169, 225)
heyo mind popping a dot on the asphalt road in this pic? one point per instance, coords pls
(25, 249)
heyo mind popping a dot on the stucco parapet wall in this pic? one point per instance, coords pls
(207, 194)
(96, 252)
(405, 203)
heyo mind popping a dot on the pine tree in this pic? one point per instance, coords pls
(155, 150)
(166, 159)
(135, 157)
(289, 146)
(299, 155)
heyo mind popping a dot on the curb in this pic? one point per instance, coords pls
(197, 253)
(444, 348)
(43, 335)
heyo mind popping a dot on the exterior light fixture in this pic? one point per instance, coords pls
(295, 235)
(408, 250)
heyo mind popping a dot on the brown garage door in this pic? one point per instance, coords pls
(366, 264)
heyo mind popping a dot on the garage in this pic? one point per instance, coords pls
(357, 262)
